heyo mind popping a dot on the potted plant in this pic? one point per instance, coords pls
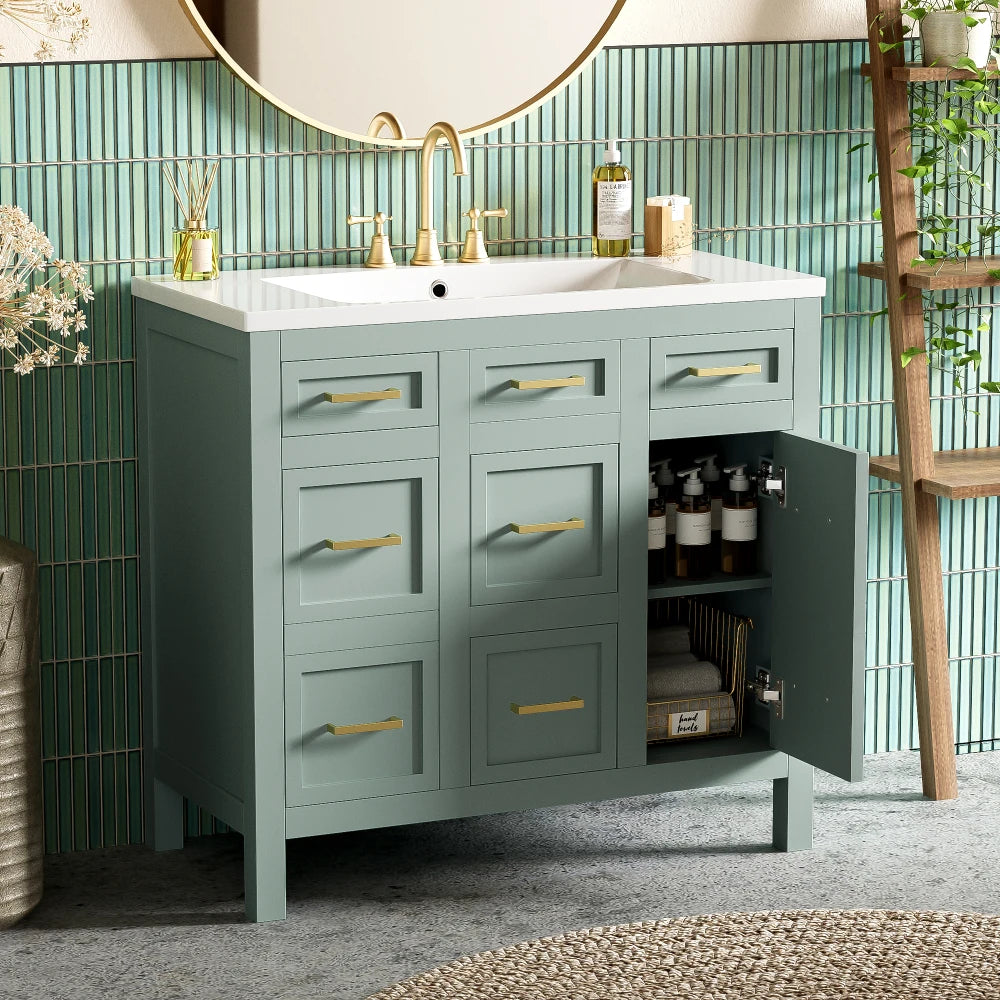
(954, 30)
(955, 143)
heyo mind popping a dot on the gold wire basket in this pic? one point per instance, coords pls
(720, 637)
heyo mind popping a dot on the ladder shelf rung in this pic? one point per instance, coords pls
(915, 73)
(935, 275)
(958, 475)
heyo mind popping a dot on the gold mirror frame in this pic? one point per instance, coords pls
(412, 142)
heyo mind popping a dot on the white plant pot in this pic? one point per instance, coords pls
(946, 38)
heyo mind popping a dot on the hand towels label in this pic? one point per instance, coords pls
(687, 723)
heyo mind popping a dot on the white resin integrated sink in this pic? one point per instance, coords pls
(500, 278)
(355, 297)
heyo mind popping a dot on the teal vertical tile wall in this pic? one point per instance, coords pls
(757, 134)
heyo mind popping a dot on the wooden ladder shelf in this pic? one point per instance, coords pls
(923, 474)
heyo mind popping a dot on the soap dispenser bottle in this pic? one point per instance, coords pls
(612, 221)
(656, 533)
(693, 551)
(667, 483)
(712, 479)
(739, 524)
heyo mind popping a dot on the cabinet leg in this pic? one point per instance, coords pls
(793, 808)
(264, 878)
(166, 824)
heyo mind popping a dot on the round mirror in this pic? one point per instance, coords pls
(337, 65)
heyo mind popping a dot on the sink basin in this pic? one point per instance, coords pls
(351, 298)
(504, 277)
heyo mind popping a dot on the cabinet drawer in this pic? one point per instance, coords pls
(720, 368)
(360, 540)
(543, 703)
(358, 394)
(544, 524)
(549, 381)
(382, 706)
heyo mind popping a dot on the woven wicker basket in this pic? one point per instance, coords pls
(21, 842)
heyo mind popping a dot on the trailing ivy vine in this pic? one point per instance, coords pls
(954, 138)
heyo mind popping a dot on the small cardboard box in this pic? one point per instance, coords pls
(669, 226)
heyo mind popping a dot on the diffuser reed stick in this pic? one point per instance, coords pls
(196, 247)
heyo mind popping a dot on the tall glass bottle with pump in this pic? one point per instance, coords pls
(657, 534)
(739, 524)
(694, 529)
(612, 221)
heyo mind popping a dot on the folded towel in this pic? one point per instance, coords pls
(673, 639)
(683, 680)
(721, 715)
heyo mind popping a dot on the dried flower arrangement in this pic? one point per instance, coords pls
(55, 21)
(33, 314)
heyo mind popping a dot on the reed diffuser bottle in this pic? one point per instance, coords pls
(195, 246)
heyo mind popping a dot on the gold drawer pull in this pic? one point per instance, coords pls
(365, 727)
(551, 706)
(538, 529)
(751, 368)
(362, 397)
(364, 543)
(547, 383)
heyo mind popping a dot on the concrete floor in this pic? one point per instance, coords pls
(368, 909)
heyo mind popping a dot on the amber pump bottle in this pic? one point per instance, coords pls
(656, 534)
(712, 478)
(739, 524)
(667, 483)
(694, 529)
(612, 221)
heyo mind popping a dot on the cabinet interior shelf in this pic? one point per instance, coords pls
(936, 275)
(915, 73)
(753, 740)
(717, 583)
(958, 475)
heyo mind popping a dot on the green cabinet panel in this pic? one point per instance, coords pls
(760, 363)
(360, 540)
(820, 545)
(544, 524)
(514, 383)
(544, 703)
(383, 704)
(368, 394)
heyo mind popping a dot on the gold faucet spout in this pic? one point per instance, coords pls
(427, 250)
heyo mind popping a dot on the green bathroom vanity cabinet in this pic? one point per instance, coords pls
(395, 553)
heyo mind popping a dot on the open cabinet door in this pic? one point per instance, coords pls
(820, 540)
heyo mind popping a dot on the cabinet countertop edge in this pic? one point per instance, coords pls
(254, 301)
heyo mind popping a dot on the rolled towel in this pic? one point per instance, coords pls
(672, 639)
(656, 660)
(683, 680)
(721, 717)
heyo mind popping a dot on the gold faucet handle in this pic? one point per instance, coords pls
(475, 214)
(379, 218)
(380, 254)
(474, 251)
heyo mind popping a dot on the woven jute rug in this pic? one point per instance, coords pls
(815, 954)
